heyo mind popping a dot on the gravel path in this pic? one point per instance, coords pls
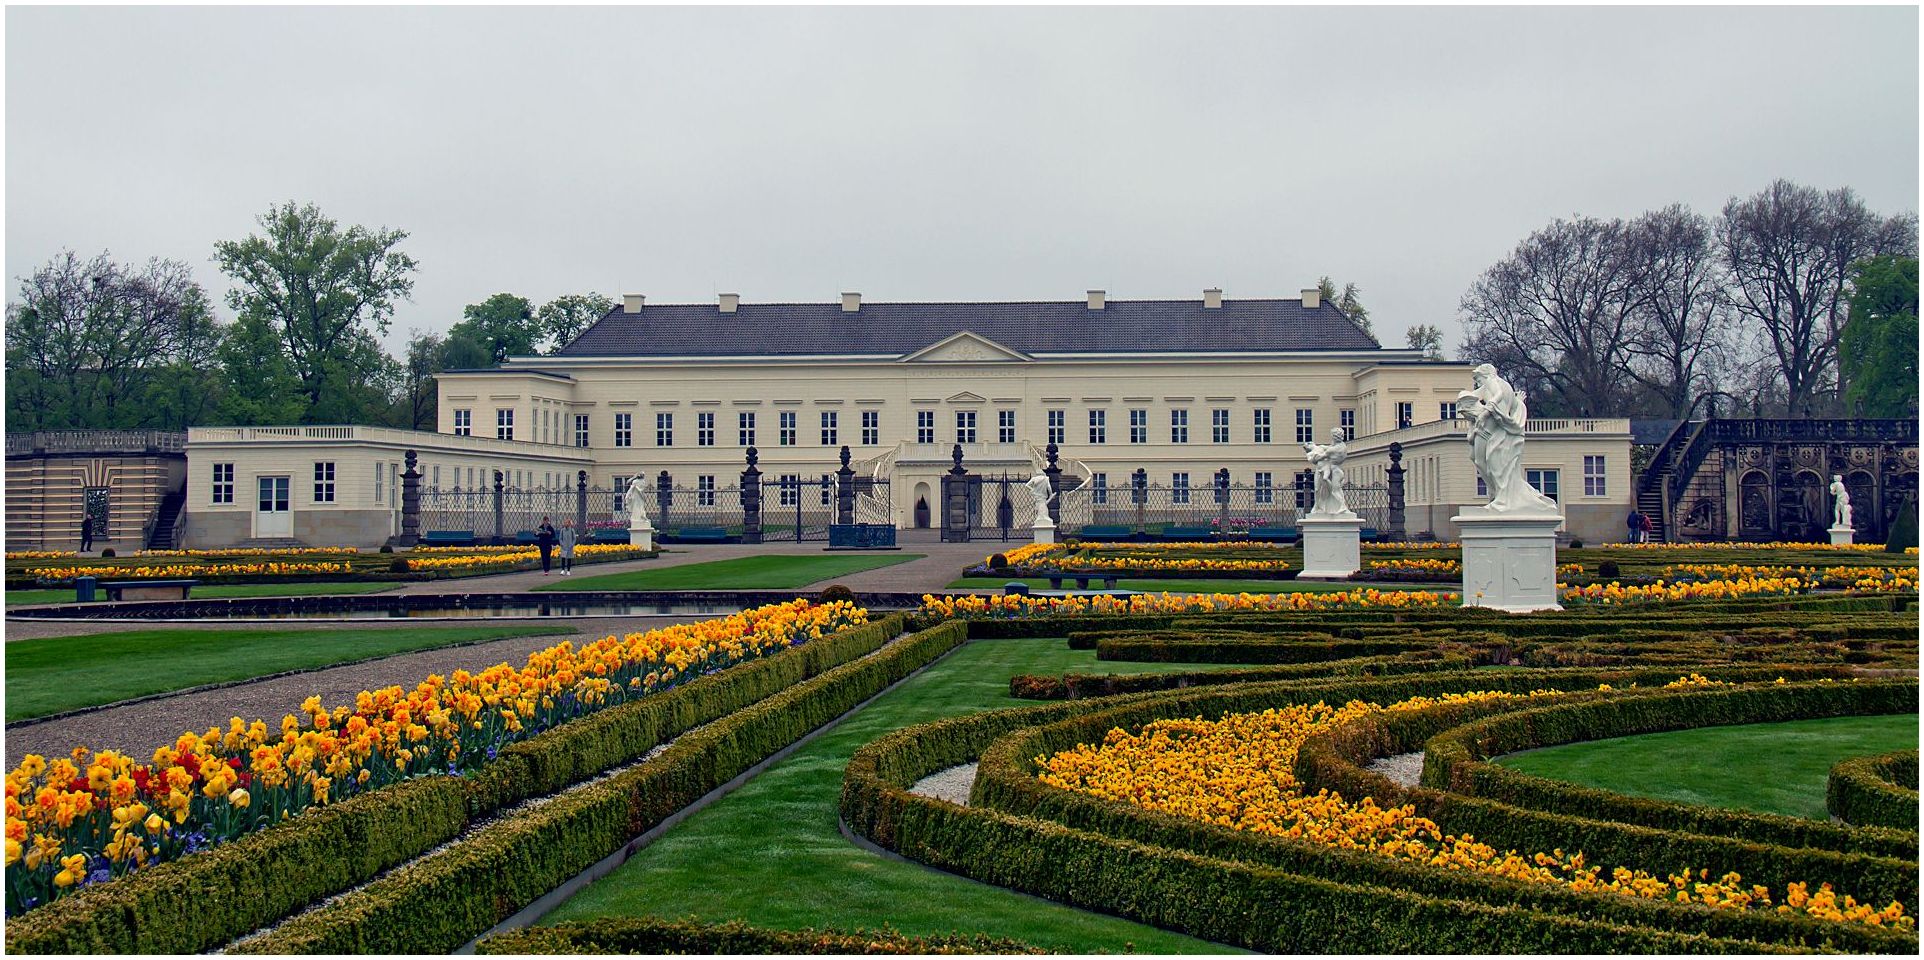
(1405, 769)
(952, 784)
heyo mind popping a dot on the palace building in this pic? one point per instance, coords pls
(1145, 400)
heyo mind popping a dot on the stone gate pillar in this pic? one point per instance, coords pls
(1397, 524)
(1054, 472)
(581, 503)
(845, 491)
(410, 504)
(752, 500)
(500, 488)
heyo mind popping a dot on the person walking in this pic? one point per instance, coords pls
(544, 540)
(1635, 524)
(86, 534)
(566, 540)
(1644, 527)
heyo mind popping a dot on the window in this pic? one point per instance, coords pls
(1058, 427)
(379, 483)
(1005, 426)
(1261, 423)
(1099, 488)
(705, 490)
(621, 491)
(1446, 410)
(1218, 426)
(1098, 426)
(704, 429)
(1545, 481)
(1595, 483)
(541, 424)
(1347, 420)
(1179, 487)
(1305, 425)
(324, 481)
(871, 427)
(504, 424)
(965, 426)
(435, 484)
(664, 429)
(745, 428)
(223, 491)
(1305, 489)
(924, 426)
(1179, 428)
(1405, 413)
(790, 486)
(829, 428)
(785, 422)
(624, 429)
(581, 429)
(1265, 487)
(463, 423)
(1138, 426)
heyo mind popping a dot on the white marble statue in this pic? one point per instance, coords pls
(1326, 462)
(1497, 416)
(1841, 498)
(636, 500)
(1039, 493)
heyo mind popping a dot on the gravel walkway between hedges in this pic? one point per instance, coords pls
(1406, 769)
(952, 784)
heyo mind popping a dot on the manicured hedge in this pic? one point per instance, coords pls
(203, 901)
(1006, 781)
(1232, 648)
(1080, 686)
(1456, 760)
(653, 935)
(438, 903)
(1879, 791)
(1250, 904)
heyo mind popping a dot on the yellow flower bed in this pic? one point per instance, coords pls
(1141, 557)
(174, 571)
(467, 559)
(1011, 607)
(1415, 565)
(90, 816)
(1616, 593)
(41, 554)
(1413, 545)
(1749, 545)
(249, 552)
(1237, 772)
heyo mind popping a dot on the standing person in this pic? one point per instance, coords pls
(1643, 528)
(86, 534)
(567, 544)
(544, 539)
(1635, 523)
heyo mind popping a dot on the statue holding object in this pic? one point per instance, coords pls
(1498, 416)
(1326, 464)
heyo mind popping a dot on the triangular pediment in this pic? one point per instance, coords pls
(965, 347)
(967, 397)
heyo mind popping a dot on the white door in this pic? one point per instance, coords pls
(272, 516)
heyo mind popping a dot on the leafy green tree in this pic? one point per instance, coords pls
(563, 318)
(1347, 301)
(259, 384)
(418, 394)
(325, 292)
(1427, 338)
(504, 325)
(1877, 353)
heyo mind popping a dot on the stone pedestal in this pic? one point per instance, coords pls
(642, 536)
(1509, 560)
(1332, 546)
(1044, 529)
(1842, 536)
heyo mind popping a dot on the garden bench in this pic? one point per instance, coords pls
(1105, 533)
(448, 538)
(1274, 534)
(1082, 580)
(701, 535)
(608, 535)
(1188, 533)
(149, 589)
(526, 538)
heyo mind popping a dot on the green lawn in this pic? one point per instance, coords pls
(216, 592)
(1768, 767)
(770, 852)
(1201, 586)
(774, 572)
(55, 674)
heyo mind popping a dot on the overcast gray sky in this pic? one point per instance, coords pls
(915, 154)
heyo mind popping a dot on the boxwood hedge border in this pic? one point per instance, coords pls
(1876, 791)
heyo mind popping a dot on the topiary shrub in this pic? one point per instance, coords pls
(1607, 569)
(398, 565)
(107, 552)
(998, 562)
(386, 548)
(1576, 544)
(836, 591)
(1903, 530)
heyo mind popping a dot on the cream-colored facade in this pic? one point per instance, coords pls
(1179, 415)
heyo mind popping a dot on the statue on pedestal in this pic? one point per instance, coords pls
(1497, 416)
(636, 500)
(1841, 503)
(1326, 463)
(1039, 490)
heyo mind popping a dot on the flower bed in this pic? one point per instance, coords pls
(79, 821)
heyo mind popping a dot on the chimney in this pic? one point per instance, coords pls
(1312, 298)
(1095, 299)
(729, 301)
(631, 302)
(1213, 298)
(851, 302)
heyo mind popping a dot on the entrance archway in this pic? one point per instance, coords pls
(921, 506)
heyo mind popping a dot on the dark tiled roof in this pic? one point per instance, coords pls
(893, 329)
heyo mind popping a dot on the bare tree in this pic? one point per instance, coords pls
(1680, 332)
(1428, 338)
(1557, 314)
(1788, 250)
